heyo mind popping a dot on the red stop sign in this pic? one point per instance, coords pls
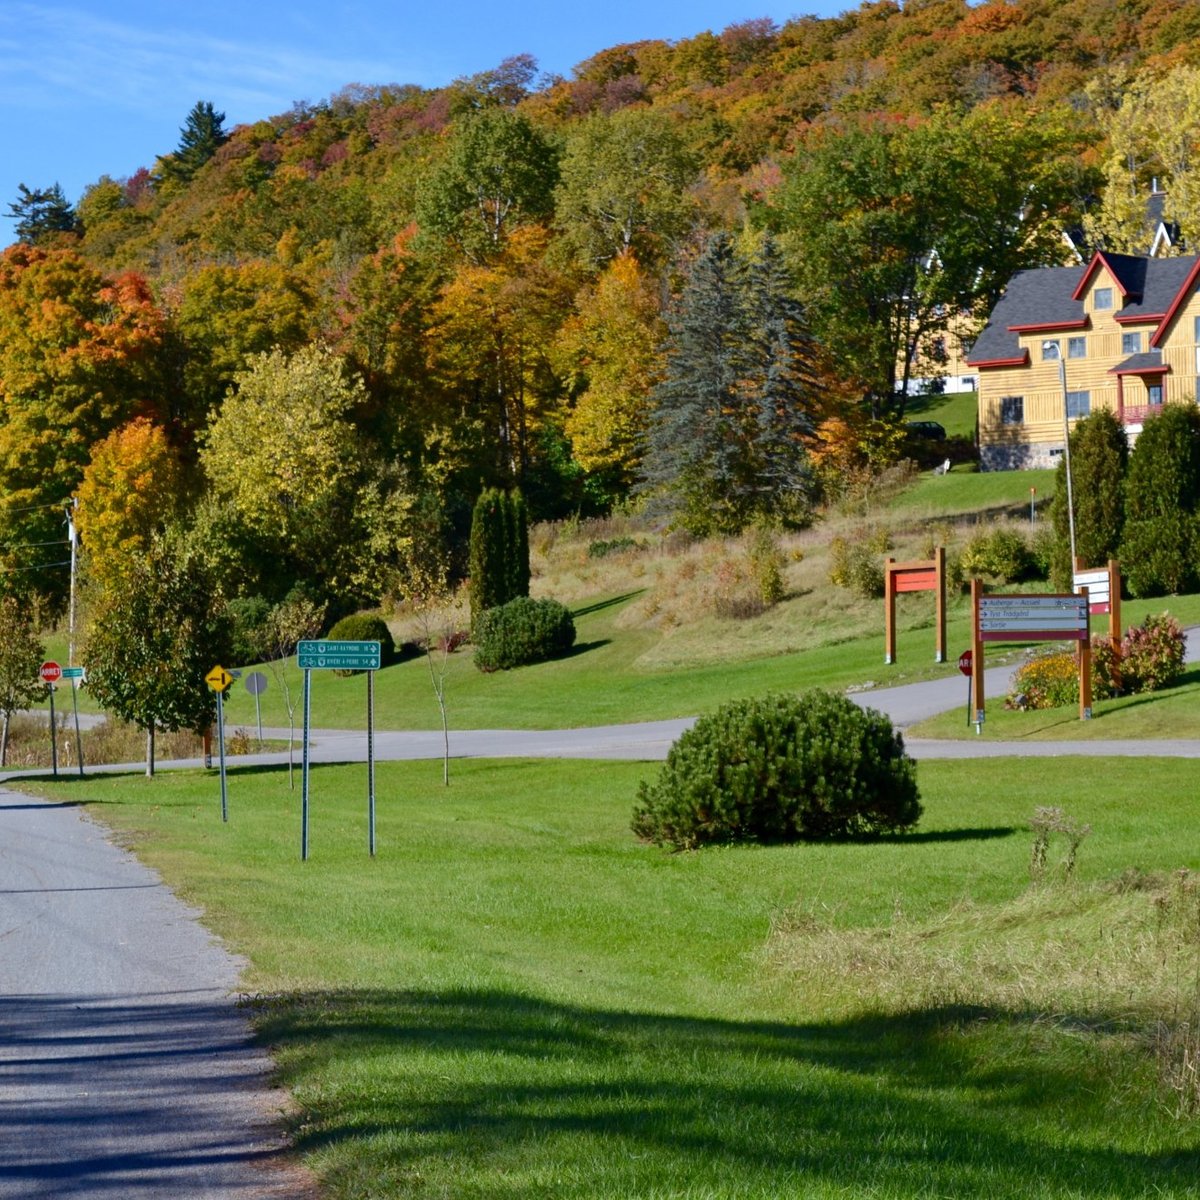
(50, 672)
(964, 662)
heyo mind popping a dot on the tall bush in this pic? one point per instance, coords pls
(499, 550)
(1099, 461)
(1162, 490)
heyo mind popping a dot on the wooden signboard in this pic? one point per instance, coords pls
(925, 576)
(1031, 617)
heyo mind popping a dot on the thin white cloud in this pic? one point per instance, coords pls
(56, 56)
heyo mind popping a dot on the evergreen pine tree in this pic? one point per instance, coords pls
(1099, 460)
(1162, 493)
(201, 136)
(40, 213)
(518, 545)
(687, 460)
(782, 353)
(725, 442)
(487, 553)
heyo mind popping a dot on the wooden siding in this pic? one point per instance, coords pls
(1038, 382)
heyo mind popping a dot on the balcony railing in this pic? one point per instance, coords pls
(1136, 414)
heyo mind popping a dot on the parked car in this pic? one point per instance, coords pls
(927, 429)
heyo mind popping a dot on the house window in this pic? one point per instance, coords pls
(1077, 347)
(1131, 343)
(1079, 404)
(1102, 298)
(1050, 350)
(1012, 410)
(1154, 393)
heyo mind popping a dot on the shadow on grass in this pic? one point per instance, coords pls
(983, 834)
(587, 609)
(489, 1093)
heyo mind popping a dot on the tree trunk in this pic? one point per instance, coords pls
(4, 741)
(150, 750)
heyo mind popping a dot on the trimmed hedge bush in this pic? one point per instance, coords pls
(365, 627)
(520, 632)
(781, 768)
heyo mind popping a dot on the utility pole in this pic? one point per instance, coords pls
(1052, 349)
(73, 538)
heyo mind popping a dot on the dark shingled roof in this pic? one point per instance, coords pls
(1043, 297)
(1149, 360)
(1038, 297)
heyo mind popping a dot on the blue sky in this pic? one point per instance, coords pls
(88, 88)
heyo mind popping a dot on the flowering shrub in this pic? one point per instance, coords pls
(1152, 654)
(1047, 681)
(1151, 659)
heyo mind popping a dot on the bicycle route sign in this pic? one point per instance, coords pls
(338, 656)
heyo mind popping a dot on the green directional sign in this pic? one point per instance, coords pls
(338, 656)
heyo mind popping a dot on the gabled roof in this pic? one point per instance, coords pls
(1190, 268)
(1127, 271)
(1051, 298)
(1041, 298)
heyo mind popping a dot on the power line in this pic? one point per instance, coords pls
(39, 567)
(30, 545)
(31, 507)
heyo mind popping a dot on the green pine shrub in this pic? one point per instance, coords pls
(498, 550)
(781, 768)
(520, 632)
(365, 627)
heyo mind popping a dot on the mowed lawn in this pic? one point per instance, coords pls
(515, 998)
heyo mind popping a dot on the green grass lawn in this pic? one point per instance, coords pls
(517, 999)
(987, 493)
(954, 411)
(601, 682)
(1172, 713)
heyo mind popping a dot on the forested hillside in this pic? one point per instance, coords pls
(704, 269)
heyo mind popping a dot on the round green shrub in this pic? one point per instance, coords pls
(365, 627)
(781, 768)
(520, 632)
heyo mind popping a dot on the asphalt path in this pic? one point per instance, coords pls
(126, 1067)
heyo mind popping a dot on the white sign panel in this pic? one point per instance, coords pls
(1033, 617)
(1096, 583)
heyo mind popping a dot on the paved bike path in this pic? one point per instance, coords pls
(126, 1069)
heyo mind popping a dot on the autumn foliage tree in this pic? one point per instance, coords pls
(79, 356)
(130, 492)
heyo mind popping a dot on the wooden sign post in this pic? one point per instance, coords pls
(1104, 595)
(925, 576)
(1030, 617)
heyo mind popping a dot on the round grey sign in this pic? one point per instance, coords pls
(256, 683)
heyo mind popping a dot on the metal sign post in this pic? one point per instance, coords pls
(50, 673)
(76, 676)
(339, 656)
(256, 684)
(220, 680)
(304, 769)
(371, 762)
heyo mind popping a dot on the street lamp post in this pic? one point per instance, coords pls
(1052, 349)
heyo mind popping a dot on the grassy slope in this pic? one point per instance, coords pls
(517, 999)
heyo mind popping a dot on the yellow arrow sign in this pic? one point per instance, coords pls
(218, 679)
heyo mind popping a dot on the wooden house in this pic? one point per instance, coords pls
(1126, 329)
